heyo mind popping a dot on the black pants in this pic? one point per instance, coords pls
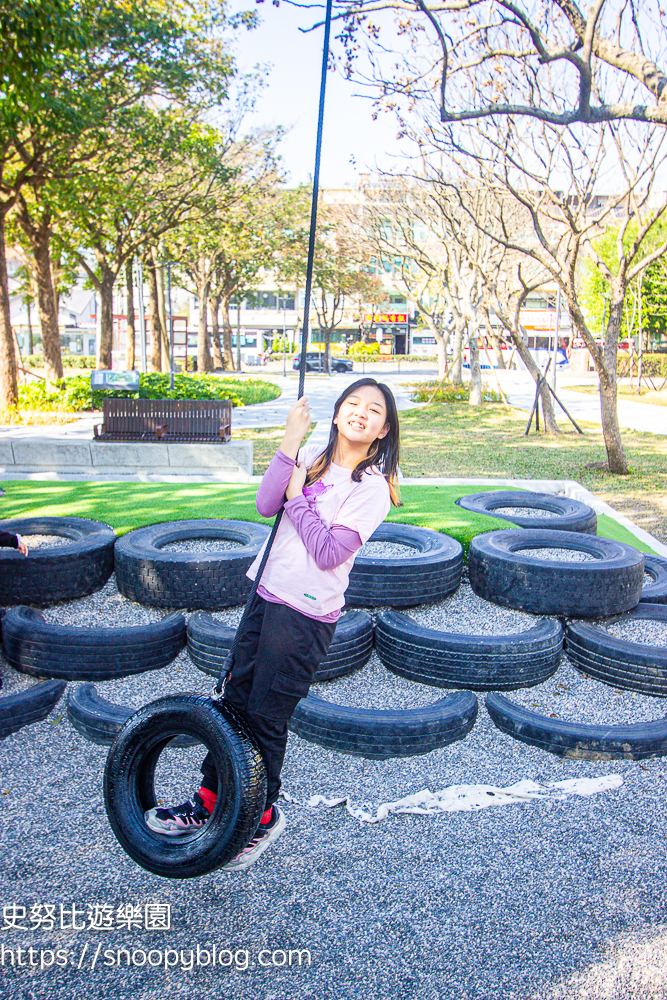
(276, 660)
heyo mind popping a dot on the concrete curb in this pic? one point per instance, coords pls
(125, 461)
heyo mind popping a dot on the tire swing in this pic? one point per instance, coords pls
(129, 776)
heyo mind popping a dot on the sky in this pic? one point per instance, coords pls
(352, 142)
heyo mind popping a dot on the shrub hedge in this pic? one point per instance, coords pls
(74, 394)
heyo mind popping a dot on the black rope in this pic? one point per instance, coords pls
(229, 661)
(313, 207)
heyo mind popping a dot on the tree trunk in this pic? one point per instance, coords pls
(215, 331)
(440, 344)
(204, 362)
(551, 425)
(154, 317)
(441, 350)
(162, 312)
(40, 236)
(227, 346)
(607, 374)
(610, 428)
(129, 335)
(327, 349)
(105, 289)
(9, 395)
(605, 363)
(457, 366)
(30, 336)
(475, 398)
(498, 351)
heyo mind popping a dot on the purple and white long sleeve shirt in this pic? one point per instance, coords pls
(316, 543)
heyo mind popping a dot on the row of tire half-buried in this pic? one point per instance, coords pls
(379, 734)
(151, 572)
(488, 662)
(399, 534)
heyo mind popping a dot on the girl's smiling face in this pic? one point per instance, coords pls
(362, 416)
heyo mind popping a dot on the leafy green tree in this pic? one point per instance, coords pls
(341, 270)
(32, 31)
(222, 251)
(156, 172)
(109, 58)
(647, 291)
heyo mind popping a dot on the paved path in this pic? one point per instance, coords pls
(323, 390)
(520, 390)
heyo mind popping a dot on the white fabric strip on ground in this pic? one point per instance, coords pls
(467, 798)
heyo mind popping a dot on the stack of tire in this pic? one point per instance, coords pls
(52, 574)
(609, 586)
(150, 572)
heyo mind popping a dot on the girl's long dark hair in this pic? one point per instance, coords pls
(383, 453)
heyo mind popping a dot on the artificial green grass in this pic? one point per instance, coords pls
(609, 528)
(126, 506)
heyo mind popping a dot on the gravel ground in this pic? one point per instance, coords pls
(648, 632)
(201, 545)
(387, 550)
(42, 541)
(556, 899)
(522, 512)
(465, 612)
(558, 555)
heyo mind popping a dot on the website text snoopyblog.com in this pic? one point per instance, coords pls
(185, 959)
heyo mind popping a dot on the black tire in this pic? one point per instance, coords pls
(655, 592)
(380, 734)
(209, 642)
(51, 574)
(560, 513)
(624, 664)
(210, 580)
(429, 575)
(99, 720)
(578, 740)
(26, 707)
(473, 662)
(608, 584)
(44, 649)
(129, 785)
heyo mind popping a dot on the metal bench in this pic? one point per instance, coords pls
(165, 420)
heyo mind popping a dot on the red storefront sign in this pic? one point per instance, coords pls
(386, 318)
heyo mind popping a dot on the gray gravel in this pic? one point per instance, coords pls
(558, 555)
(647, 632)
(523, 512)
(547, 900)
(465, 612)
(41, 541)
(106, 608)
(387, 550)
(201, 545)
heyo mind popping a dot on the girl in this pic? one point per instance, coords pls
(333, 503)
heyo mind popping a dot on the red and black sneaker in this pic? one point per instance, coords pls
(174, 821)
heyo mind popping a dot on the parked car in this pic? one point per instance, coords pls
(315, 363)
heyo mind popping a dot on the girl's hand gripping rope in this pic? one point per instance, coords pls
(296, 428)
(297, 479)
